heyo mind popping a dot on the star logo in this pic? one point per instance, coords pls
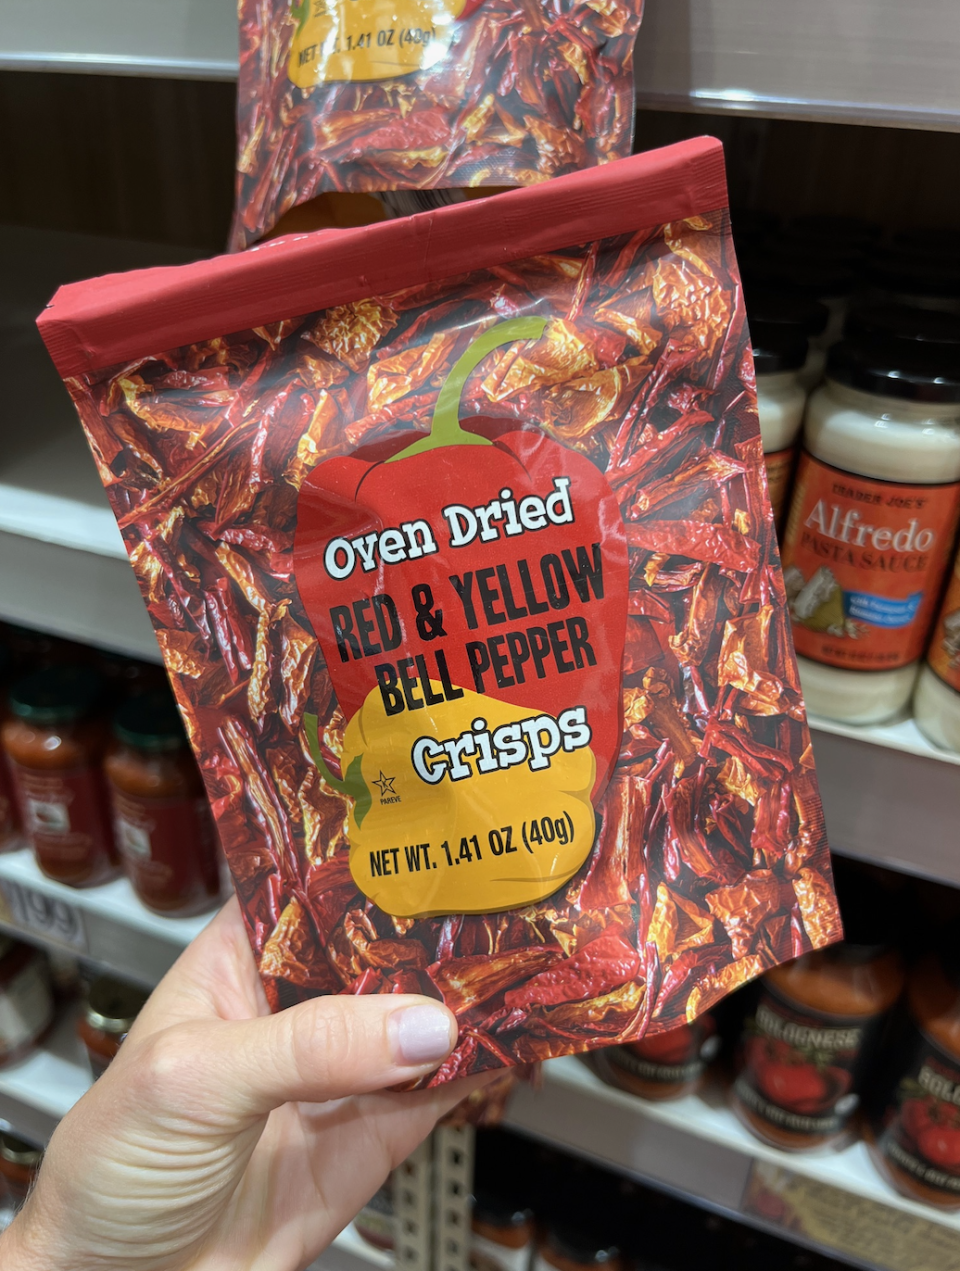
(385, 785)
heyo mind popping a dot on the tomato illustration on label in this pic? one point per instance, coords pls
(944, 652)
(469, 592)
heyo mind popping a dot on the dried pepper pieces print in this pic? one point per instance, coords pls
(341, 95)
(710, 862)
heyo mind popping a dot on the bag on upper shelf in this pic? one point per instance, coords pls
(422, 98)
(455, 534)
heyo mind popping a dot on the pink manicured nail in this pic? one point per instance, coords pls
(421, 1035)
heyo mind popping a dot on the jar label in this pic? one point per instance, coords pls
(26, 1008)
(801, 1067)
(670, 1058)
(779, 465)
(862, 563)
(944, 652)
(167, 846)
(920, 1132)
(65, 818)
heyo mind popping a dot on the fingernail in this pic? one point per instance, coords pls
(421, 1035)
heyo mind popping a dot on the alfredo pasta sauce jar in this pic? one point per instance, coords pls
(807, 1047)
(871, 524)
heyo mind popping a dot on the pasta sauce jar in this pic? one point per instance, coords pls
(818, 1023)
(112, 1006)
(666, 1066)
(19, 1164)
(871, 524)
(566, 1248)
(936, 704)
(9, 821)
(54, 742)
(778, 356)
(502, 1234)
(161, 817)
(26, 1001)
(915, 1131)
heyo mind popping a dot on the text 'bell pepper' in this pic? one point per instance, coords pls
(469, 593)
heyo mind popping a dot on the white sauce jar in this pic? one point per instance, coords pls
(936, 703)
(871, 527)
(778, 356)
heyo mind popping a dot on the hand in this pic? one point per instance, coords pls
(224, 1138)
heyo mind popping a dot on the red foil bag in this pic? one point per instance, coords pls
(455, 534)
(353, 95)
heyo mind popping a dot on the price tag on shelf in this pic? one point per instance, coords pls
(43, 916)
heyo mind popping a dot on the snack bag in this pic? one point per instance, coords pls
(456, 538)
(424, 96)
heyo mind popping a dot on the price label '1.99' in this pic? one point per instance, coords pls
(40, 915)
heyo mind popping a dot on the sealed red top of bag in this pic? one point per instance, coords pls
(456, 539)
(354, 95)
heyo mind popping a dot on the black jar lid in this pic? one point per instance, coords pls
(58, 695)
(777, 349)
(150, 722)
(887, 369)
(924, 331)
(907, 274)
(787, 309)
(113, 1005)
(499, 1211)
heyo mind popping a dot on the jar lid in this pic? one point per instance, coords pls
(580, 1246)
(112, 1005)
(787, 309)
(921, 330)
(150, 721)
(907, 274)
(57, 695)
(777, 349)
(18, 1151)
(887, 369)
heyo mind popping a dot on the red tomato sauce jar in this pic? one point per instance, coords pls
(112, 1006)
(19, 1163)
(914, 1134)
(807, 1048)
(666, 1066)
(161, 817)
(54, 741)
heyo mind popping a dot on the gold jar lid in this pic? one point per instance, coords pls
(113, 1005)
(19, 1151)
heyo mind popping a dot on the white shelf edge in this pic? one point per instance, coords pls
(694, 1146)
(61, 521)
(900, 734)
(121, 64)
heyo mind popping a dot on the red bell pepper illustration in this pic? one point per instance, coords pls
(469, 592)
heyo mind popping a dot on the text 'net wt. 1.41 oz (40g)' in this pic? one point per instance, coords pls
(362, 96)
(456, 539)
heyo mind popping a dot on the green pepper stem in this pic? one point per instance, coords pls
(445, 429)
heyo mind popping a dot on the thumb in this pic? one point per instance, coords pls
(326, 1048)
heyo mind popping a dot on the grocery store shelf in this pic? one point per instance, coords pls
(697, 1147)
(105, 924)
(869, 61)
(63, 567)
(890, 797)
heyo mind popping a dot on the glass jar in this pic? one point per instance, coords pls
(19, 1164)
(797, 315)
(567, 1248)
(54, 742)
(666, 1066)
(914, 1136)
(936, 703)
(112, 1006)
(778, 356)
(871, 524)
(502, 1234)
(376, 1220)
(9, 819)
(26, 1000)
(162, 821)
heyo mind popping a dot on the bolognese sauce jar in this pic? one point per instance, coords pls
(502, 1234)
(19, 1164)
(111, 1008)
(161, 817)
(26, 1001)
(54, 741)
(567, 1248)
(667, 1066)
(9, 820)
(915, 1131)
(818, 1022)
(871, 525)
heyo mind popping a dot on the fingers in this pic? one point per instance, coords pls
(323, 1049)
